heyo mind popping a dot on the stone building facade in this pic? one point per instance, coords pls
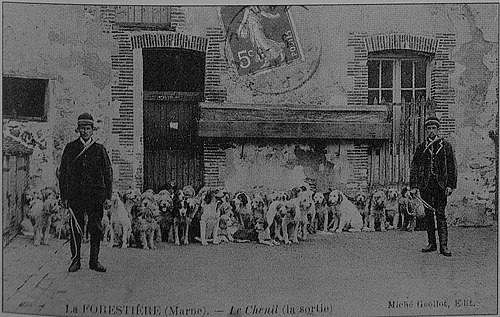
(92, 58)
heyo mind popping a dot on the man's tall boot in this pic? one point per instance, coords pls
(94, 257)
(431, 234)
(443, 237)
(75, 246)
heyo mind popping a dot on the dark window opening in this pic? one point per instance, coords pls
(24, 98)
(173, 69)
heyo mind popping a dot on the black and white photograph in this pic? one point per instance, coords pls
(247, 159)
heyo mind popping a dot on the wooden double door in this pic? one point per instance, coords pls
(173, 153)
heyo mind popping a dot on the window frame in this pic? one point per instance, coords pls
(18, 117)
(397, 56)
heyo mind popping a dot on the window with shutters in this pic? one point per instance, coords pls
(397, 75)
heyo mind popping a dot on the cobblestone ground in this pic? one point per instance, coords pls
(349, 274)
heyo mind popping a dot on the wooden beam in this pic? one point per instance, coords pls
(286, 115)
(294, 130)
(291, 113)
(348, 108)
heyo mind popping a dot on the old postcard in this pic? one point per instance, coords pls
(249, 159)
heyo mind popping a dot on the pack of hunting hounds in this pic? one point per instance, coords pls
(213, 215)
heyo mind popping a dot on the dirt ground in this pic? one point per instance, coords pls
(347, 274)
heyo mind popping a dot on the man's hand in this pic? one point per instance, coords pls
(449, 191)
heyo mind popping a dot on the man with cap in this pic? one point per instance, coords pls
(85, 181)
(434, 173)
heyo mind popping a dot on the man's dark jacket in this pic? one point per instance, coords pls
(444, 165)
(90, 176)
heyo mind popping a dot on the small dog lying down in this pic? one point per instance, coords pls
(229, 229)
(263, 234)
(258, 234)
(228, 225)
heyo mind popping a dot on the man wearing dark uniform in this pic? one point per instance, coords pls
(85, 181)
(434, 173)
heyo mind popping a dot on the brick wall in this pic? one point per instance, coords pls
(441, 89)
(214, 157)
(168, 39)
(122, 94)
(215, 64)
(357, 69)
(357, 156)
(177, 17)
(401, 42)
(361, 44)
(128, 39)
(122, 124)
(128, 154)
